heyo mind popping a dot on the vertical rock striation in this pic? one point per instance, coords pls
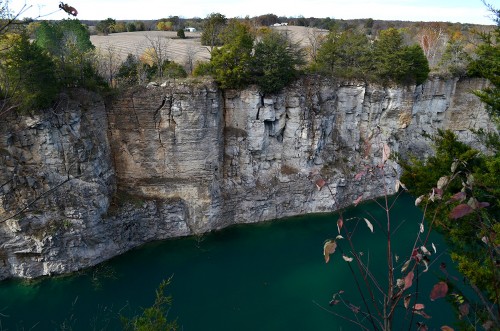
(84, 182)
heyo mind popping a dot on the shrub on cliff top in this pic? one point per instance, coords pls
(392, 61)
(275, 61)
(349, 54)
(28, 80)
(232, 62)
(272, 63)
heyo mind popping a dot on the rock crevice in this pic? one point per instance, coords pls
(82, 183)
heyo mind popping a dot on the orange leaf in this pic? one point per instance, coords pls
(329, 248)
(446, 328)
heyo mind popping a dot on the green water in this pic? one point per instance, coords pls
(269, 276)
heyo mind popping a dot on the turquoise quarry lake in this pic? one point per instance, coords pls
(268, 276)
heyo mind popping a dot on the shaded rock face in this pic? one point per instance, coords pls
(84, 182)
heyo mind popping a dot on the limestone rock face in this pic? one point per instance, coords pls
(84, 182)
(167, 142)
(58, 209)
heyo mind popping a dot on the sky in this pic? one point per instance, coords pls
(464, 11)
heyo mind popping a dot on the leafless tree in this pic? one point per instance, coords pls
(108, 63)
(433, 39)
(7, 18)
(191, 51)
(315, 38)
(159, 49)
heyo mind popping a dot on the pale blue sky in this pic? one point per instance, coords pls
(465, 11)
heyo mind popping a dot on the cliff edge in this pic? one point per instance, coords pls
(84, 182)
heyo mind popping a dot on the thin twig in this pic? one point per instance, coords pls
(341, 316)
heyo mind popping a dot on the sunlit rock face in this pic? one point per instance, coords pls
(87, 181)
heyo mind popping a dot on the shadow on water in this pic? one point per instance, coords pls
(268, 276)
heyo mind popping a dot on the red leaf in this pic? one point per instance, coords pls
(334, 302)
(408, 280)
(340, 223)
(416, 255)
(407, 301)
(359, 175)
(488, 325)
(460, 211)
(320, 183)
(421, 313)
(482, 205)
(439, 291)
(354, 309)
(463, 309)
(418, 306)
(460, 196)
(422, 327)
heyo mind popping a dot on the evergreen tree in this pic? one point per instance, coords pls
(487, 65)
(29, 81)
(465, 199)
(395, 62)
(232, 62)
(128, 73)
(345, 54)
(276, 61)
(181, 34)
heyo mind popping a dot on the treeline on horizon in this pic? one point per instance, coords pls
(325, 23)
(42, 57)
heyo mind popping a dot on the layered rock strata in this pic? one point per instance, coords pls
(84, 182)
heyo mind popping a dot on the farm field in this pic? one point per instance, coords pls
(177, 49)
(137, 42)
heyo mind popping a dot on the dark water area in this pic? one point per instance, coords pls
(269, 276)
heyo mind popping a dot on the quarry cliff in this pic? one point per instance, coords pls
(86, 181)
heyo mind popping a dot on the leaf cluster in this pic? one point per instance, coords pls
(27, 74)
(487, 65)
(153, 318)
(212, 28)
(106, 26)
(267, 58)
(350, 54)
(464, 199)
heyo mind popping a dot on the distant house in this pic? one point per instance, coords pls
(188, 29)
(280, 24)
